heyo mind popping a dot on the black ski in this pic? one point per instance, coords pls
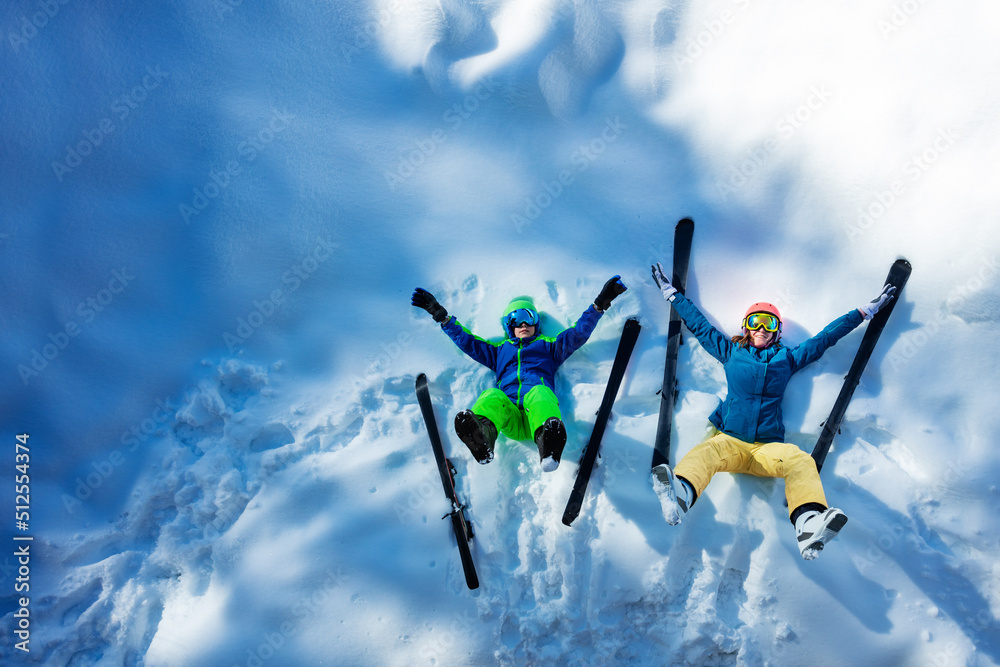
(898, 275)
(625, 346)
(683, 233)
(459, 522)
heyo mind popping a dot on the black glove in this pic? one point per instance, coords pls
(611, 289)
(423, 299)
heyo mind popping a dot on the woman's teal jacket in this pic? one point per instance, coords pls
(756, 378)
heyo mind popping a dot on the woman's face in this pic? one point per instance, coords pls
(761, 339)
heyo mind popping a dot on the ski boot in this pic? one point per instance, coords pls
(814, 529)
(551, 439)
(675, 494)
(478, 433)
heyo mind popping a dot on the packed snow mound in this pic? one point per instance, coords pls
(211, 226)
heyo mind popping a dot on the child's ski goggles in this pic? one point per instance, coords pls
(522, 316)
(765, 321)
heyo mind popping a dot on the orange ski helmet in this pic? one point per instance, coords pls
(763, 307)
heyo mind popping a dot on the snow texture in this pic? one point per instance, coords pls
(212, 216)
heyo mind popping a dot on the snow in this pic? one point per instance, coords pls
(212, 218)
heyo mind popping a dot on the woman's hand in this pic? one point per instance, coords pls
(666, 289)
(868, 311)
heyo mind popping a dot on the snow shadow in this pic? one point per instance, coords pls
(924, 557)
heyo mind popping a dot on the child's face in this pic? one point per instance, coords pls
(524, 330)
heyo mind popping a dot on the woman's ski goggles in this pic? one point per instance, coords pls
(765, 321)
(522, 316)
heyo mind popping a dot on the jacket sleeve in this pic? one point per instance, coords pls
(572, 339)
(714, 341)
(481, 350)
(813, 349)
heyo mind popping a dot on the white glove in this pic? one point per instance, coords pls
(666, 289)
(876, 304)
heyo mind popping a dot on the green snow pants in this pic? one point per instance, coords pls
(539, 404)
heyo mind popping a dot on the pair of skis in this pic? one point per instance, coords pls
(460, 523)
(899, 273)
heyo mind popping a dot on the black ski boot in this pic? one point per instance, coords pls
(550, 438)
(478, 433)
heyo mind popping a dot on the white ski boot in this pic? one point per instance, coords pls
(675, 495)
(814, 529)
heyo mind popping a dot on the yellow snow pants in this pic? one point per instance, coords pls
(724, 453)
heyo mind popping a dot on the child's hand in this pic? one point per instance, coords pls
(611, 289)
(423, 299)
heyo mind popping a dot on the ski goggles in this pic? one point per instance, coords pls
(521, 317)
(765, 321)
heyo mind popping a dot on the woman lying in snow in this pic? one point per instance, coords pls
(523, 405)
(750, 434)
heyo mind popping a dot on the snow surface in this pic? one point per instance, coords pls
(213, 215)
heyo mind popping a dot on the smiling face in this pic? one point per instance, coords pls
(762, 327)
(761, 339)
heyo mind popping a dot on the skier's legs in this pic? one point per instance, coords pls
(499, 409)
(783, 459)
(720, 453)
(540, 404)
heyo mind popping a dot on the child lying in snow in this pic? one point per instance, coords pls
(523, 405)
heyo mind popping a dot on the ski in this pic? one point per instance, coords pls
(625, 346)
(459, 522)
(898, 275)
(683, 233)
